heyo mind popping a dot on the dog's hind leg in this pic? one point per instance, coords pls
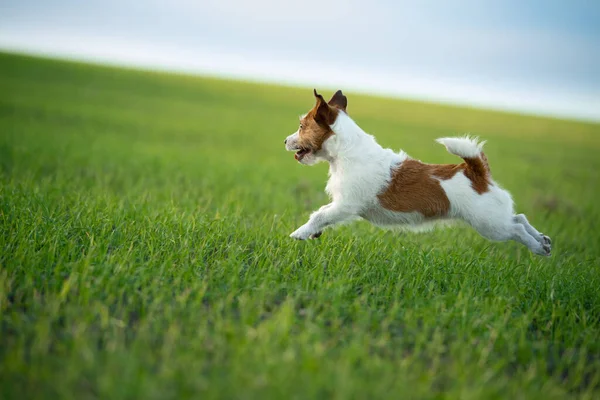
(516, 232)
(512, 231)
(522, 219)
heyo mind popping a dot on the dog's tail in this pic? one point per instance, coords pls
(469, 149)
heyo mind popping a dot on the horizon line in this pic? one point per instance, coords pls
(280, 79)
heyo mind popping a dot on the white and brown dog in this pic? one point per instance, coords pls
(387, 188)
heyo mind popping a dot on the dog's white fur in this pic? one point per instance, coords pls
(360, 169)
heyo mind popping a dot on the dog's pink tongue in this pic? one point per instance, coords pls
(296, 156)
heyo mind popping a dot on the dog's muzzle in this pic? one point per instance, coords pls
(291, 142)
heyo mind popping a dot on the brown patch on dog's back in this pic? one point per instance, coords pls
(415, 186)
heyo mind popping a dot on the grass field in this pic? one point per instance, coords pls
(144, 250)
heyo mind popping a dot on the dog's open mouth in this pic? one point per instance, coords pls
(301, 153)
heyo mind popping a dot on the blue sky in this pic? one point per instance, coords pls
(536, 56)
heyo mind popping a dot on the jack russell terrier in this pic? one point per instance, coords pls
(387, 188)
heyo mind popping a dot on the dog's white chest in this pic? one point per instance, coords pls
(334, 186)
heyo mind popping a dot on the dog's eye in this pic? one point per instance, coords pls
(300, 126)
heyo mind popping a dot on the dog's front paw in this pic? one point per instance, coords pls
(316, 235)
(300, 234)
(304, 233)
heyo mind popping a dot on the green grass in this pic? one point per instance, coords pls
(144, 250)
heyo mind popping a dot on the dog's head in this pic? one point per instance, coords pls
(315, 129)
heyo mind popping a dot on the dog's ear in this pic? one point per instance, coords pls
(318, 97)
(339, 101)
(323, 113)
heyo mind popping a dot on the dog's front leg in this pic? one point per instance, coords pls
(330, 214)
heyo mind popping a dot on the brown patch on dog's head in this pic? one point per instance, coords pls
(315, 125)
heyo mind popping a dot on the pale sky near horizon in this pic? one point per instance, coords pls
(535, 57)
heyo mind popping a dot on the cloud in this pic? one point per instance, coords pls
(507, 47)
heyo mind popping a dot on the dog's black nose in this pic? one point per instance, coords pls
(284, 141)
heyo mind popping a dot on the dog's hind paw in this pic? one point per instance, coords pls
(544, 250)
(546, 240)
